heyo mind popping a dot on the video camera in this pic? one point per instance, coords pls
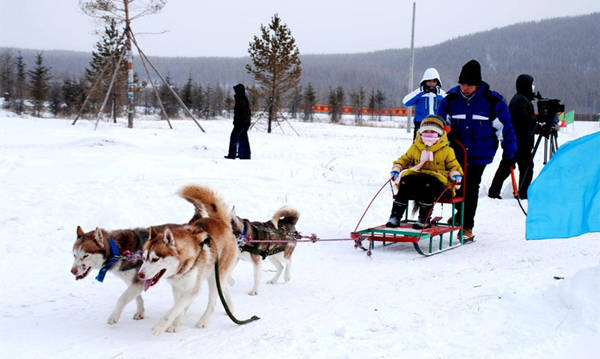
(548, 108)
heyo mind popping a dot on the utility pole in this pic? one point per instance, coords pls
(131, 106)
(412, 66)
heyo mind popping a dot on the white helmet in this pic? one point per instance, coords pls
(431, 74)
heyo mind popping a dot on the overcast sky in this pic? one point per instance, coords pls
(224, 28)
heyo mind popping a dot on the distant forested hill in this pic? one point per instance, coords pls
(563, 55)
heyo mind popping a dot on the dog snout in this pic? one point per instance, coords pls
(74, 270)
(141, 275)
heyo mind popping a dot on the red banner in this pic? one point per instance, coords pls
(364, 110)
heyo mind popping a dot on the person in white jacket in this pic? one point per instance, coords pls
(426, 99)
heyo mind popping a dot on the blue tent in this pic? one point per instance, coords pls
(564, 200)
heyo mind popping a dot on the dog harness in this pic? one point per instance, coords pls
(247, 245)
(112, 260)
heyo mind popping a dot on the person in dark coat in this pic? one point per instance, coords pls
(522, 116)
(479, 119)
(238, 141)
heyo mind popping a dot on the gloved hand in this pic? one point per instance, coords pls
(433, 89)
(456, 178)
(394, 173)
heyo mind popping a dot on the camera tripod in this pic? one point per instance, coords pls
(549, 133)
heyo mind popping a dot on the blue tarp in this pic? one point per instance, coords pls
(564, 200)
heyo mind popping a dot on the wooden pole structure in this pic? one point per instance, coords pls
(110, 86)
(131, 106)
(97, 82)
(186, 109)
(412, 66)
(162, 108)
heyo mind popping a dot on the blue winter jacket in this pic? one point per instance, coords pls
(425, 103)
(471, 124)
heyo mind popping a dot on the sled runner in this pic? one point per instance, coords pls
(438, 238)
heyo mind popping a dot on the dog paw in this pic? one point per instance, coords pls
(138, 316)
(202, 324)
(113, 319)
(173, 329)
(253, 292)
(158, 329)
(287, 278)
(272, 281)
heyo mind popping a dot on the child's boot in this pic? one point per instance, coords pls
(424, 209)
(397, 212)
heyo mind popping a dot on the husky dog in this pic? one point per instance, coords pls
(280, 228)
(93, 250)
(186, 255)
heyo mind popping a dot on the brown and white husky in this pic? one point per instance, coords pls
(92, 250)
(186, 255)
(281, 227)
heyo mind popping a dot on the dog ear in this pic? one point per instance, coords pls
(80, 232)
(169, 238)
(151, 233)
(232, 212)
(99, 237)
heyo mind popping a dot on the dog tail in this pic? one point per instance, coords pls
(289, 214)
(205, 201)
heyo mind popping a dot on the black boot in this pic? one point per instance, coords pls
(396, 216)
(424, 209)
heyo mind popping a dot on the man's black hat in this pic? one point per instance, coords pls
(470, 74)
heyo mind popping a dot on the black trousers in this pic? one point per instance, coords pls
(473, 178)
(525, 175)
(421, 187)
(239, 146)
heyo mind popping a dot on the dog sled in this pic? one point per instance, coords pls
(438, 238)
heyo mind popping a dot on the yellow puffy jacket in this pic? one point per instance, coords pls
(444, 162)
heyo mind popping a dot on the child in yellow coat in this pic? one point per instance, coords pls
(424, 171)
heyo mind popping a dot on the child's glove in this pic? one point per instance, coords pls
(457, 178)
(395, 173)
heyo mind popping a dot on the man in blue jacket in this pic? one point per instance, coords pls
(479, 118)
(426, 99)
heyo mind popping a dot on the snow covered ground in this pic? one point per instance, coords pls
(496, 298)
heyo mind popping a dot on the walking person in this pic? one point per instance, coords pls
(479, 119)
(426, 99)
(239, 146)
(522, 117)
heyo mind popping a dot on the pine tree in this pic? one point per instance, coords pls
(379, 99)
(295, 101)
(73, 95)
(167, 99)
(198, 100)
(187, 92)
(357, 97)
(335, 99)
(20, 85)
(112, 44)
(39, 79)
(229, 103)
(7, 77)
(372, 104)
(340, 98)
(275, 64)
(309, 99)
(55, 99)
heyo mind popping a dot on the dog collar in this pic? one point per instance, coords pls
(241, 239)
(113, 259)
